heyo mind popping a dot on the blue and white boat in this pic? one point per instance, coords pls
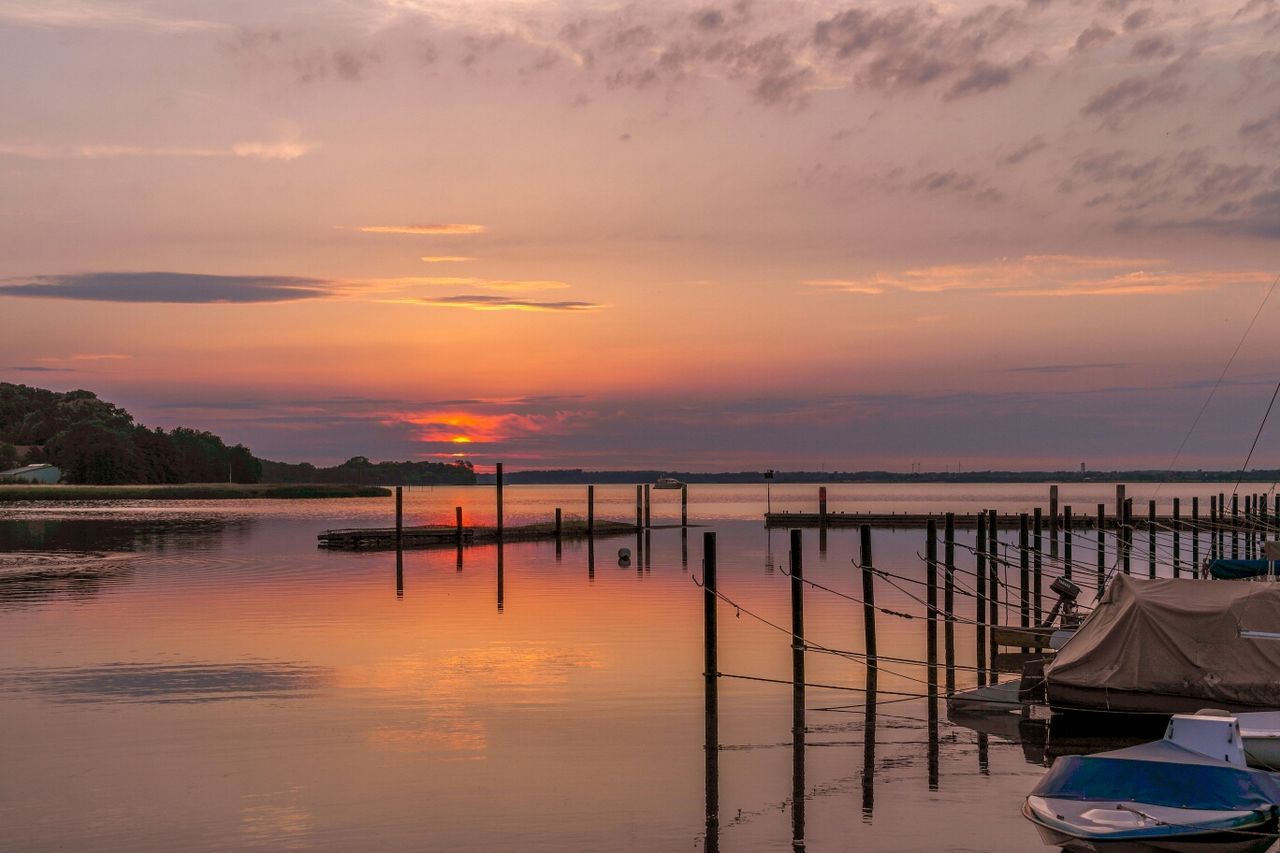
(1190, 791)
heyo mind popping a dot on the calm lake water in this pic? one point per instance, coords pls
(199, 676)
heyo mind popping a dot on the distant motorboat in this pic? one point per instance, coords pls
(1189, 791)
(668, 483)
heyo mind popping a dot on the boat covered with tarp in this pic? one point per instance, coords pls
(1166, 646)
(1233, 570)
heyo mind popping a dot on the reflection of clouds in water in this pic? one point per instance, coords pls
(27, 576)
(169, 683)
(267, 822)
(445, 689)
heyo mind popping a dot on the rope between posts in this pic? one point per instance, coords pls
(823, 686)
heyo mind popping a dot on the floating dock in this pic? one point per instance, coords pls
(448, 536)
(1003, 520)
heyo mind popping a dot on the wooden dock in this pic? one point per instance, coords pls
(448, 536)
(920, 520)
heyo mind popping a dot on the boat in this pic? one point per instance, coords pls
(1260, 731)
(668, 483)
(1169, 646)
(1189, 791)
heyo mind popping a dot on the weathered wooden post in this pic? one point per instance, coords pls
(684, 504)
(1024, 574)
(1102, 547)
(868, 602)
(639, 507)
(1213, 527)
(1276, 516)
(1151, 539)
(993, 588)
(797, 621)
(1067, 544)
(710, 689)
(980, 598)
(1235, 526)
(949, 598)
(1177, 537)
(1037, 561)
(684, 548)
(931, 601)
(1126, 541)
(591, 558)
(591, 512)
(1120, 500)
(822, 506)
(498, 481)
(648, 504)
(1053, 522)
(1195, 537)
(399, 514)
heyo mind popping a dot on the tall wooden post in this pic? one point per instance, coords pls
(639, 507)
(498, 482)
(1177, 537)
(931, 600)
(949, 597)
(1151, 539)
(868, 602)
(797, 620)
(993, 588)
(1067, 543)
(1213, 527)
(1053, 522)
(1102, 547)
(711, 714)
(591, 511)
(710, 667)
(1126, 540)
(399, 514)
(980, 599)
(1037, 562)
(822, 505)
(648, 504)
(684, 504)
(1024, 574)
(1235, 526)
(1195, 537)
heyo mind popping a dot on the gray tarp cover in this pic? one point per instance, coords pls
(1179, 637)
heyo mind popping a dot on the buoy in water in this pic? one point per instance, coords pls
(624, 556)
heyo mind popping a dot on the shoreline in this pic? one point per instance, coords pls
(190, 491)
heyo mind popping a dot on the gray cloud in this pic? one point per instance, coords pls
(1263, 133)
(32, 368)
(485, 302)
(1023, 151)
(983, 76)
(1152, 47)
(954, 182)
(1121, 100)
(1066, 368)
(1095, 35)
(169, 287)
(1137, 20)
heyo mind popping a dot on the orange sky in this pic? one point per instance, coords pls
(669, 235)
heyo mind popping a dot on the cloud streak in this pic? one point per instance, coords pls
(282, 151)
(432, 229)
(169, 287)
(485, 302)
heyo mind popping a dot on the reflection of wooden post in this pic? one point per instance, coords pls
(559, 541)
(931, 644)
(591, 511)
(639, 507)
(399, 572)
(498, 482)
(499, 575)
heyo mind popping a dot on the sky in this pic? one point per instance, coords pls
(686, 236)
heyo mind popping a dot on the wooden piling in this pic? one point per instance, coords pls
(1120, 499)
(822, 505)
(1177, 537)
(498, 482)
(710, 666)
(591, 512)
(993, 592)
(1024, 574)
(949, 598)
(639, 507)
(684, 504)
(868, 601)
(931, 600)
(1067, 543)
(980, 598)
(1102, 546)
(1037, 561)
(1195, 537)
(1235, 526)
(648, 505)
(797, 613)
(399, 515)
(1053, 522)
(1151, 539)
(1126, 530)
